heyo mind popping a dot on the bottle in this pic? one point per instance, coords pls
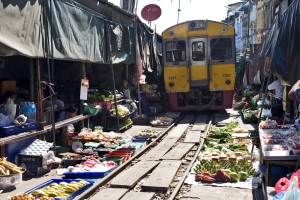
(31, 112)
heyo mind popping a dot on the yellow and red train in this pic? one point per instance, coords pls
(199, 65)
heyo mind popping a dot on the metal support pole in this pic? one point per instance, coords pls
(31, 72)
(126, 72)
(108, 40)
(40, 117)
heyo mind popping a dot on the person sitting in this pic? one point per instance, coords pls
(126, 90)
(128, 97)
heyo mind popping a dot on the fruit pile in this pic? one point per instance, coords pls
(24, 196)
(92, 165)
(59, 190)
(7, 168)
(209, 171)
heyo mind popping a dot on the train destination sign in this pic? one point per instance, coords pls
(151, 12)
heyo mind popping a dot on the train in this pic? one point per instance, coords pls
(199, 65)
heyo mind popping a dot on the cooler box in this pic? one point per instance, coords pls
(15, 129)
(12, 149)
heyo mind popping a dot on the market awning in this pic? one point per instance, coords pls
(75, 31)
(21, 29)
(244, 7)
(282, 45)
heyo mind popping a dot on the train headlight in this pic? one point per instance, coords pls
(171, 84)
(228, 82)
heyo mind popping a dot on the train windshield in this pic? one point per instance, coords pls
(198, 51)
(221, 48)
(175, 51)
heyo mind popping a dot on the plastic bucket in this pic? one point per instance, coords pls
(276, 172)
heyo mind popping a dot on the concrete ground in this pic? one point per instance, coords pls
(199, 192)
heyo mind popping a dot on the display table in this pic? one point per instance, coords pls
(21, 136)
(278, 147)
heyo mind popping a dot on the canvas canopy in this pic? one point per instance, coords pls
(282, 46)
(76, 32)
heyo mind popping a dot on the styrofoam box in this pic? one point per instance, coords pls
(10, 180)
(276, 153)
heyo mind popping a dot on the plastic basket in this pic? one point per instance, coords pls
(91, 110)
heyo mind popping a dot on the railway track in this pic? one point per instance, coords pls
(159, 170)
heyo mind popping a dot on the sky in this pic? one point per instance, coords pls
(215, 10)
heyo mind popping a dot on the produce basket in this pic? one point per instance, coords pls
(248, 116)
(91, 110)
(71, 196)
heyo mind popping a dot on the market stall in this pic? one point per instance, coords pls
(279, 146)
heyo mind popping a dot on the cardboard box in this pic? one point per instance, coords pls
(34, 164)
(7, 86)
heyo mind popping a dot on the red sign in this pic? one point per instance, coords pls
(151, 12)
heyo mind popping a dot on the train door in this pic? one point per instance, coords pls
(198, 62)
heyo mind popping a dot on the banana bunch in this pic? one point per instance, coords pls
(8, 168)
(59, 190)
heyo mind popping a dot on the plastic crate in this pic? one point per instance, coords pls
(72, 195)
(34, 164)
(75, 175)
(141, 139)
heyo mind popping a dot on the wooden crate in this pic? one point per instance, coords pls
(7, 86)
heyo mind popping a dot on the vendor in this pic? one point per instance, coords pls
(294, 94)
(127, 96)
(67, 131)
(279, 89)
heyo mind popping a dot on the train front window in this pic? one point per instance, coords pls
(175, 51)
(198, 51)
(221, 48)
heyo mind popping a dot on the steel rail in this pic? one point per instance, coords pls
(88, 193)
(180, 183)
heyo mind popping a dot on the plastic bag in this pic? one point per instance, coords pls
(21, 119)
(10, 107)
(260, 103)
(266, 113)
(6, 120)
(293, 192)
